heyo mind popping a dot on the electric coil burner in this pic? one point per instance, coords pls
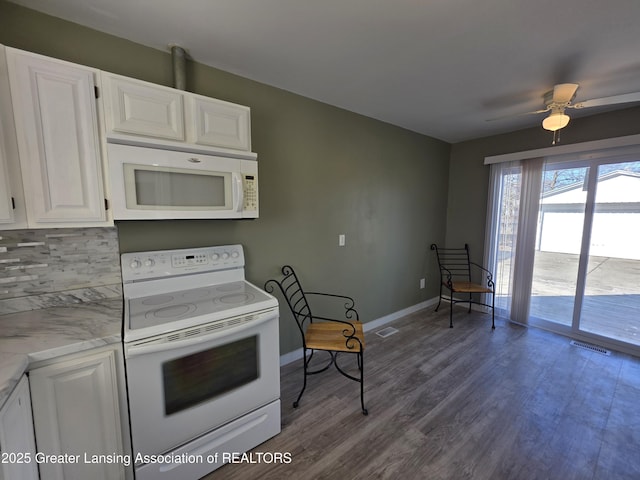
(202, 360)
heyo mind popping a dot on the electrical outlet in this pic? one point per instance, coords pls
(341, 240)
(422, 282)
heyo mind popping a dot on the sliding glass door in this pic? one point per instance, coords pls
(565, 245)
(559, 234)
(611, 299)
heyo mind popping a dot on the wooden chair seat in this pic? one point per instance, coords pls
(333, 336)
(469, 287)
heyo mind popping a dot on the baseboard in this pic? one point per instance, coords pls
(379, 322)
(290, 357)
(368, 326)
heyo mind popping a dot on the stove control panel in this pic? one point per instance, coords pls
(157, 264)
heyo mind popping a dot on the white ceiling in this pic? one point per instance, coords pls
(438, 67)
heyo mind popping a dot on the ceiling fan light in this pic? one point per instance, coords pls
(555, 121)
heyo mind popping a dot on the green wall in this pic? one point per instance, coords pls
(323, 171)
(469, 177)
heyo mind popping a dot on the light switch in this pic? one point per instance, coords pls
(341, 240)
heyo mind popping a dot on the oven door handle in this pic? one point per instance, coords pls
(258, 319)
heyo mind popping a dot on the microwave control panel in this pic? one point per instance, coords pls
(250, 188)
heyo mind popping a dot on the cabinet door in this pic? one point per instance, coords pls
(13, 214)
(56, 122)
(76, 412)
(141, 108)
(6, 197)
(16, 436)
(12, 209)
(218, 123)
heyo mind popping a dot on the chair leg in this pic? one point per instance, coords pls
(439, 297)
(451, 311)
(304, 383)
(361, 367)
(493, 311)
(360, 359)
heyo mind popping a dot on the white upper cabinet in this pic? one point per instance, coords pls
(139, 108)
(54, 130)
(143, 109)
(218, 123)
(56, 124)
(7, 199)
(13, 213)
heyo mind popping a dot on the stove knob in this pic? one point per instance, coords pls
(225, 255)
(135, 264)
(215, 257)
(235, 254)
(149, 262)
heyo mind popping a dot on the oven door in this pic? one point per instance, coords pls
(188, 383)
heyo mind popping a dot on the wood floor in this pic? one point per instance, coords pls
(466, 402)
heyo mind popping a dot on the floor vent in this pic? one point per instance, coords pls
(386, 332)
(588, 346)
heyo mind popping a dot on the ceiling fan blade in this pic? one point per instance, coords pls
(615, 99)
(564, 92)
(518, 115)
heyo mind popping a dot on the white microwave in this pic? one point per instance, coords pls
(151, 183)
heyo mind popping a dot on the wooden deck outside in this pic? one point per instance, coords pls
(612, 297)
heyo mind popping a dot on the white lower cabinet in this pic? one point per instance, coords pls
(78, 411)
(17, 444)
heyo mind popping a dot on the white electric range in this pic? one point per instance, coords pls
(202, 360)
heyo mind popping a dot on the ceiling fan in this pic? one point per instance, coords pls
(560, 98)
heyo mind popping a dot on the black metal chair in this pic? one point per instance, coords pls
(456, 276)
(323, 333)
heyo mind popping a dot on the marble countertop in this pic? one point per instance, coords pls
(38, 335)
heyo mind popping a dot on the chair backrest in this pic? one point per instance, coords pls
(454, 263)
(294, 296)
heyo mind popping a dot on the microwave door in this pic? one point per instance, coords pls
(157, 189)
(151, 187)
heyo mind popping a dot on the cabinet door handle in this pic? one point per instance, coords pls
(13, 203)
(194, 160)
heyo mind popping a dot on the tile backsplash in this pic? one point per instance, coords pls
(54, 267)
